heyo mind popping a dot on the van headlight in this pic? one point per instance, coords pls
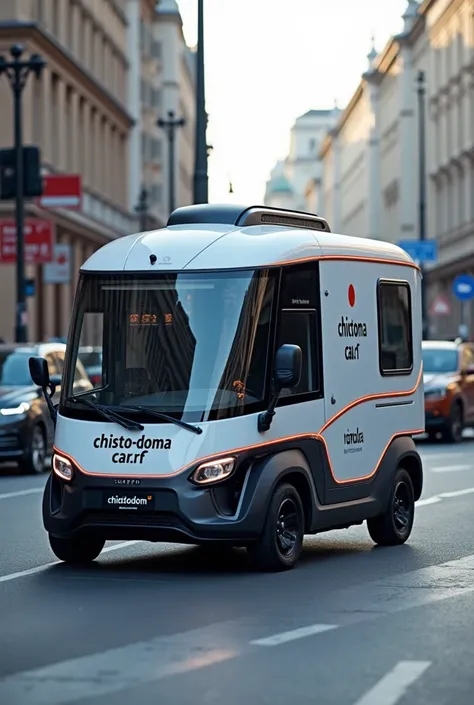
(62, 467)
(213, 471)
(15, 410)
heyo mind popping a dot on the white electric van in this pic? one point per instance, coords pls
(261, 380)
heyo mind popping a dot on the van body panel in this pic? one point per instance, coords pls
(338, 435)
(364, 410)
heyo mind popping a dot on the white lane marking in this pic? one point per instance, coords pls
(46, 566)
(450, 468)
(427, 501)
(24, 573)
(283, 637)
(445, 457)
(444, 495)
(393, 686)
(118, 546)
(457, 493)
(22, 493)
(125, 667)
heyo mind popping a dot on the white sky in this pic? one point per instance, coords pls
(268, 61)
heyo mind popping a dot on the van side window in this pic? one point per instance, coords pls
(298, 322)
(395, 327)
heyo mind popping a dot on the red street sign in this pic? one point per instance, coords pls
(39, 239)
(440, 306)
(61, 191)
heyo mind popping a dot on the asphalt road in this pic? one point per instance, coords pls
(168, 625)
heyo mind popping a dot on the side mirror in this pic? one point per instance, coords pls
(288, 366)
(55, 380)
(39, 371)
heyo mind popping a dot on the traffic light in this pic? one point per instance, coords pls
(32, 181)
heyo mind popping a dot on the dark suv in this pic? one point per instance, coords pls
(26, 429)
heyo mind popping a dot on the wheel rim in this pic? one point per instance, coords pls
(402, 508)
(456, 422)
(38, 451)
(288, 527)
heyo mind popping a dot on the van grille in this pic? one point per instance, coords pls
(165, 521)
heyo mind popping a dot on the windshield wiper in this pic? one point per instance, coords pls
(160, 415)
(108, 414)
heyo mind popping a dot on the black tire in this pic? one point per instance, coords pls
(76, 551)
(279, 546)
(455, 424)
(394, 526)
(34, 461)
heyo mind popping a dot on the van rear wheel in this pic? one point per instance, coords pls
(394, 526)
(76, 551)
(280, 544)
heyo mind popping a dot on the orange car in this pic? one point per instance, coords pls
(448, 376)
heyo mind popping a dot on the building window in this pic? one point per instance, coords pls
(68, 121)
(54, 124)
(145, 147)
(156, 97)
(156, 195)
(37, 112)
(395, 328)
(156, 150)
(55, 18)
(156, 49)
(298, 324)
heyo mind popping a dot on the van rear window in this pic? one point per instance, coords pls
(395, 328)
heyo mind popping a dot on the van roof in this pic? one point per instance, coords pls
(209, 236)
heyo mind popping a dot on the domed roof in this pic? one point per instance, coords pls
(167, 7)
(280, 185)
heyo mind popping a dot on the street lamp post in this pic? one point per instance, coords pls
(142, 209)
(200, 165)
(170, 125)
(422, 189)
(17, 71)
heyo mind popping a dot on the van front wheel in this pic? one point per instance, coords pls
(394, 526)
(281, 542)
(76, 551)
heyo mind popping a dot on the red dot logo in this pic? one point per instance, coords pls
(351, 295)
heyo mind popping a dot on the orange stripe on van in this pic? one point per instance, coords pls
(345, 258)
(284, 439)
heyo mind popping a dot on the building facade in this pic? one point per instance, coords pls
(161, 81)
(295, 182)
(76, 114)
(371, 159)
(178, 86)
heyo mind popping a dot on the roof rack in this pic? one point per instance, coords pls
(229, 214)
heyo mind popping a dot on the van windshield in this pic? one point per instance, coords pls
(191, 345)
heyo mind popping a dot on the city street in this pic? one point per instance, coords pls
(350, 625)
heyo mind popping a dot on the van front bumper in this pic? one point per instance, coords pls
(176, 511)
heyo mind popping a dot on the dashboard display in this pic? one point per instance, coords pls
(143, 319)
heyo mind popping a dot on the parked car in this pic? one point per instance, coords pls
(26, 428)
(91, 358)
(448, 376)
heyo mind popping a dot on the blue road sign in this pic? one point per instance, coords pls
(421, 250)
(463, 287)
(30, 287)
